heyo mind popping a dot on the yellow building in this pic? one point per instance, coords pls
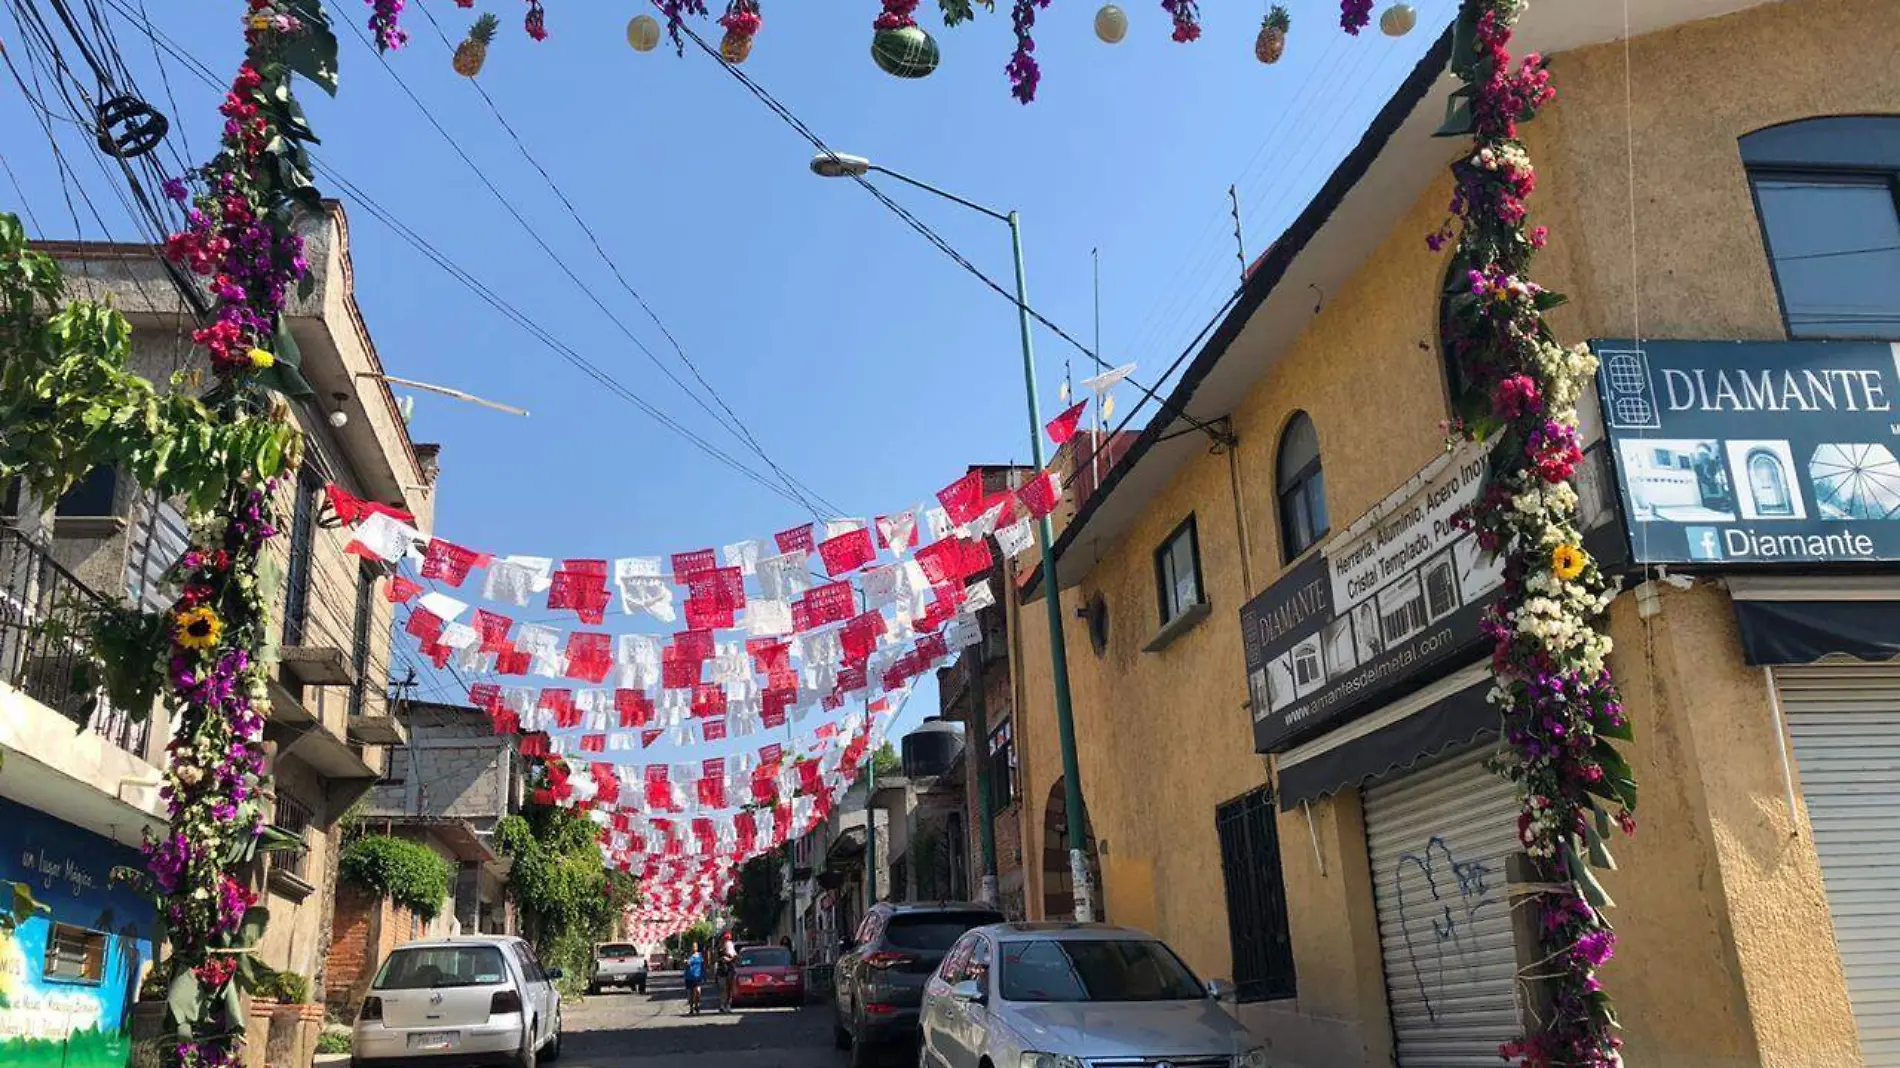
(1300, 801)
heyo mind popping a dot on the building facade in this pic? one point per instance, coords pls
(1282, 758)
(108, 538)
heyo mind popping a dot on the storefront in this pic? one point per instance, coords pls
(70, 972)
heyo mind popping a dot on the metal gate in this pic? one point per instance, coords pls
(1439, 839)
(1845, 723)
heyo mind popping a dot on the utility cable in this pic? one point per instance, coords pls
(614, 267)
(574, 276)
(931, 235)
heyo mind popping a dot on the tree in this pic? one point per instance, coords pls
(700, 934)
(757, 897)
(569, 900)
(886, 761)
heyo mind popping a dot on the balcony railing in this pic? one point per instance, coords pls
(40, 603)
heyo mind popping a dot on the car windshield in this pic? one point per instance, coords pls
(934, 932)
(765, 957)
(1095, 970)
(426, 967)
(618, 949)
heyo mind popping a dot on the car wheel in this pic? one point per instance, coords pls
(863, 1055)
(526, 1058)
(840, 1037)
(552, 1052)
(593, 989)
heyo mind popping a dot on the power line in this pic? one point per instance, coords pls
(925, 230)
(573, 276)
(489, 296)
(620, 277)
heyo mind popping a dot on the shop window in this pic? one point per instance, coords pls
(1301, 486)
(303, 536)
(292, 817)
(1827, 192)
(75, 954)
(1178, 572)
(1256, 897)
(1002, 767)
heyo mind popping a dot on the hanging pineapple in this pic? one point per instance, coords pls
(473, 51)
(1271, 43)
(742, 21)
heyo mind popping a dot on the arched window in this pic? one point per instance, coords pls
(1769, 483)
(1301, 487)
(1828, 194)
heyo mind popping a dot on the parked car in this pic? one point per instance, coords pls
(1063, 995)
(473, 1000)
(882, 968)
(767, 974)
(617, 964)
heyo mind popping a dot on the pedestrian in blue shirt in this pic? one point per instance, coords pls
(695, 978)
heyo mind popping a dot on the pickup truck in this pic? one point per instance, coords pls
(617, 964)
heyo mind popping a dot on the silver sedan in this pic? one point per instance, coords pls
(1064, 995)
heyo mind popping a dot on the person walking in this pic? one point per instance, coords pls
(695, 978)
(726, 969)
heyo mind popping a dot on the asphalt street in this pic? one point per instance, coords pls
(622, 1029)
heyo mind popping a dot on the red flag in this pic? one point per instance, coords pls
(351, 509)
(425, 625)
(688, 566)
(831, 603)
(709, 615)
(485, 696)
(634, 706)
(709, 700)
(963, 498)
(560, 701)
(942, 561)
(449, 562)
(847, 552)
(769, 655)
(400, 589)
(589, 655)
(659, 792)
(713, 730)
(1062, 427)
(649, 736)
(593, 743)
(512, 661)
(712, 783)
(1042, 494)
(797, 539)
(493, 629)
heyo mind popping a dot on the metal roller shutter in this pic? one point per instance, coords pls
(1439, 839)
(1845, 722)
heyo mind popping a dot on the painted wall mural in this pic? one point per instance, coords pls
(69, 975)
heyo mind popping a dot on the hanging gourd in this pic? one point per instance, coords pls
(1398, 20)
(1111, 24)
(643, 33)
(899, 46)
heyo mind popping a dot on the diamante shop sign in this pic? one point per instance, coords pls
(1395, 595)
(1752, 453)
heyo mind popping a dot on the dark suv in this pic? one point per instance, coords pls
(883, 968)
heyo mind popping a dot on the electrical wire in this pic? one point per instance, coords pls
(924, 229)
(619, 276)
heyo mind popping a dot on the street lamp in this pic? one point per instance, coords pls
(839, 165)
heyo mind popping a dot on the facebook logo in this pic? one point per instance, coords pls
(1705, 543)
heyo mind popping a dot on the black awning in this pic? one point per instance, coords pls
(1802, 632)
(1453, 722)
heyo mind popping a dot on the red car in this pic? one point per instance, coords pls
(768, 975)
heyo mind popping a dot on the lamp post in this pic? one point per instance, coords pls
(838, 165)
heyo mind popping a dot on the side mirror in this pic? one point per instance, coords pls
(555, 973)
(1221, 990)
(967, 990)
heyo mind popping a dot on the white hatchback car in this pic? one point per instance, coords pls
(472, 1001)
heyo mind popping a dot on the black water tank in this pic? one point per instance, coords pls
(932, 749)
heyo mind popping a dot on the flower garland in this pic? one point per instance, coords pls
(536, 21)
(897, 15)
(676, 12)
(1024, 74)
(239, 237)
(1187, 19)
(1560, 708)
(385, 23)
(1354, 15)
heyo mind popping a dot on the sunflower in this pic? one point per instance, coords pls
(197, 628)
(1568, 561)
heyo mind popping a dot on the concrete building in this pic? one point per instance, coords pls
(1353, 871)
(108, 538)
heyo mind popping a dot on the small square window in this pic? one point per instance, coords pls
(1178, 572)
(75, 954)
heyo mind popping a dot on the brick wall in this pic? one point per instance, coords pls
(353, 935)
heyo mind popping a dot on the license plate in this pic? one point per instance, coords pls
(432, 1040)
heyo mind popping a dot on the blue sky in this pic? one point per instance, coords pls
(867, 364)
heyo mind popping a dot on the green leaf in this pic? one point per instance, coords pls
(182, 1001)
(1458, 120)
(251, 927)
(285, 375)
(1587, 884)
(1546, 300)
(1599, 853)
(313, 53)
(233, 1006)
(277, 840)
(1464, 43)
